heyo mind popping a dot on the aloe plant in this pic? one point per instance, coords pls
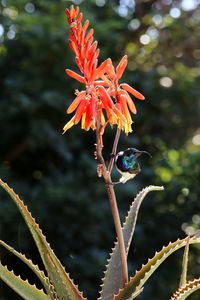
(103, 102)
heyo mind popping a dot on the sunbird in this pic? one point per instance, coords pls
(126, 163)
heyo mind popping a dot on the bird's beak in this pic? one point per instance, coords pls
(138, 153)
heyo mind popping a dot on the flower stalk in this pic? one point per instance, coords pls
(113, 204)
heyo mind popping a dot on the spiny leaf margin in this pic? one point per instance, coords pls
(20, 286)
(112, 280)
(49, 288)
(64, 286)
(186, 290)
(139, 279)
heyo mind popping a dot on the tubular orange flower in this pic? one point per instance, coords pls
(104, 100)
(90, 104)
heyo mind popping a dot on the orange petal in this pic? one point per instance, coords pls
(121, 66)
(84, 28)
(78, 62)
(102, 69)
(85, 25)
(76, 102)
(111, 69)
(117, 110)
(100, 82)
(91, 50)
(130, 102)
(69, 124)
(76, 12)
(106, 99)
(80, 110)
(79, 19)
(74, 48)
(72, 11)
(131, 90)
(89, 35)
(75, 75)
(88, 118)
(83, 121)
(125, 109)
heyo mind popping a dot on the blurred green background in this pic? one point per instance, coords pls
(55, 174)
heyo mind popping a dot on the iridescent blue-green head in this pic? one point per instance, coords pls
(127, 164)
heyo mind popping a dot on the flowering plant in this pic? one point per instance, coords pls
(104, 101)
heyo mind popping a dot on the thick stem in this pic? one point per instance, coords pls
(118, 229)
(114, 209)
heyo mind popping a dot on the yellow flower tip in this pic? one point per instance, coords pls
(68, 125)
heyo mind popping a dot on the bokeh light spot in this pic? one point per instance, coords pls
(11, 34)
(1, 30)
(30, 7)
(100, 3)
(122, 10)
(166, 82)
(196, 140)
(145, 39)
(157, 19)
(175, 12)
(188, 5)
(134, 24)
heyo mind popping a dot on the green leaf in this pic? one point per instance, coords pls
(20, 286)
(64, 286)
(40, 274)
(186, 290)
(137, 282)
(183, 279)
(113, 277)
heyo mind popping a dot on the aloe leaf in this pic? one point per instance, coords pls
(20, 286)
(186, 290)
(137, 282)
(64, 286)
(113, 277)
(40, 274)
(183, 279)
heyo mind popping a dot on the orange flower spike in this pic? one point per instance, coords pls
(132, 91)
(75, 75)
(121, 67)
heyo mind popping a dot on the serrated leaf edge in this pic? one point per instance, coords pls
(141, 194)
(139, 279)
(21, 205)
(25, 282)
(40, 274)
(186, 290)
